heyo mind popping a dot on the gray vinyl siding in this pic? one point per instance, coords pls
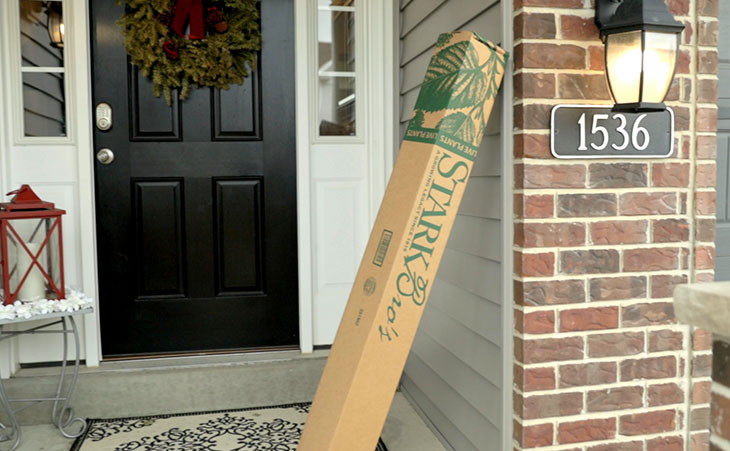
(44, 104)
(722, 261)
(454, 371)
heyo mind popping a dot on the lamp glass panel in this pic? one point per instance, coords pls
(623, 65)
(660, 59)
(37, 240)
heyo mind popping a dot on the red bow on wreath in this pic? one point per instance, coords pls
(194, 9)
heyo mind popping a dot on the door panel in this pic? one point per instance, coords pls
(152, 120)
(244, 100)
(196, 215)
(238, 236)
(158, 219)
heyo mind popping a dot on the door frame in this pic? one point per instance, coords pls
(380, 125)
(382, 59)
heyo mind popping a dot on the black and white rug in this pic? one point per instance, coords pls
(276, 428)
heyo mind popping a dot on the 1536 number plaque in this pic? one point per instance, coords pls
(588, 131)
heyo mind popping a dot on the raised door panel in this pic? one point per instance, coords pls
(152, 119)
(341, 230)
(245, 101)
(341, 225)
(238, 231)
(159, 221)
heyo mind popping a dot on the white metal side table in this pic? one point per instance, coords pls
(62, 415)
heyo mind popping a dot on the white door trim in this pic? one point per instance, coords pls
(304, 220)
(81, 66)
(376, 84)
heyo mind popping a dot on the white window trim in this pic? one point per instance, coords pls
(376, 20)
(360, 74)
(16, 70)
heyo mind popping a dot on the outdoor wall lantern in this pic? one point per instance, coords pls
(56, 28)
(642, 48)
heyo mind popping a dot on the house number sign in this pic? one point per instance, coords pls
(591, 131)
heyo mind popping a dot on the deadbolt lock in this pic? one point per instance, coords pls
(103, 116)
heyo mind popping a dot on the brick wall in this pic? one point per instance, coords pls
(600, 363)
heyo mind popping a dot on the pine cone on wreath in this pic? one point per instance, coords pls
(221, 27)
(214, 19)
(166, 17)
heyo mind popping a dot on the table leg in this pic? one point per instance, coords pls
(5, 436)
(64, 417)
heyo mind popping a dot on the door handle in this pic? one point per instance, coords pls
(105, 156)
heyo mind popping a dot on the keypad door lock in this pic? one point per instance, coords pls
(103, 116)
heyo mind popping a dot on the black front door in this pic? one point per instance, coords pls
(196, 215)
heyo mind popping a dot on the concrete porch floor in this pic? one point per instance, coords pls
(194, 384)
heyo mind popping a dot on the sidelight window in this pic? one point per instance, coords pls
(336, 63)
(42, 68)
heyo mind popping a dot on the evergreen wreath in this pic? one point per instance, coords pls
(220, 50)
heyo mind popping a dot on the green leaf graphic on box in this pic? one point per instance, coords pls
(491, 63)
(454, 79)
(459, 125)
(418, 119)
(444, 39)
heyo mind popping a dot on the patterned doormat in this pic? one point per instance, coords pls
(254, 429)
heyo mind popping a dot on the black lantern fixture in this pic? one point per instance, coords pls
(56, 28)
(642, 49)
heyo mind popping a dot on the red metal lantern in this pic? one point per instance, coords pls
(31, 247)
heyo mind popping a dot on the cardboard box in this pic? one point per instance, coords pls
(406, 245)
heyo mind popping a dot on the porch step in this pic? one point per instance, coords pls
(137, 388)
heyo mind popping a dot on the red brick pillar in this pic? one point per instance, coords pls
(600, 362)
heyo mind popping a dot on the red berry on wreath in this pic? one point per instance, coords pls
(171, 48)
(213, 16)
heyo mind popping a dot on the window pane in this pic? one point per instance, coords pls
(38, 21)
(44, 104)
(336, 59)
(336, 106)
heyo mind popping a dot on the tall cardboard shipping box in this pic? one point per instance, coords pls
(406, 245)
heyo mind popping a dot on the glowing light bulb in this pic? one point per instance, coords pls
(640, 68)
